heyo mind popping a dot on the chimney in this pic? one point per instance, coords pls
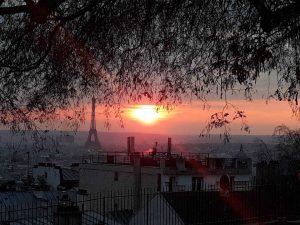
(128, 146)
(169, 146)
(132, 147)
(154, 150)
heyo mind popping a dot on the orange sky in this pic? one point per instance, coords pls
(191, 119)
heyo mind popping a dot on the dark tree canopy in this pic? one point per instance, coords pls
(54, 53)
(288, 142)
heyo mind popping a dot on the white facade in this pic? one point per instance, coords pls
(103, 177)
(173, 174)
(51, 174)
(185, 182)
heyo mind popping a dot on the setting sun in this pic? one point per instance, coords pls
(147, 114)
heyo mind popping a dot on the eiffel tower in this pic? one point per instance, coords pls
(93, 143)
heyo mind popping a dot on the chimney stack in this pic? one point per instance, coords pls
(169, 146)
(154, 150)
(130, 145)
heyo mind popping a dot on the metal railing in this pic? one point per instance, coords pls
(249, 204)
(124, 158)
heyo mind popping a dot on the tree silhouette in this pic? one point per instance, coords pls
(288, 145)
(53, 53)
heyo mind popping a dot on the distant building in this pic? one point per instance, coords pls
(55, 176)
(65, 139)
(162, 170)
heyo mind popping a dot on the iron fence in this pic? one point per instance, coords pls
(248, 204)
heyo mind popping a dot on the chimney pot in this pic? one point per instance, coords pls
(128, 146)
(132, 147)
(169, 146)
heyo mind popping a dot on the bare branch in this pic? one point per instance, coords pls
(38, 11)
(167, 52)
(271, 20)
(13, 10)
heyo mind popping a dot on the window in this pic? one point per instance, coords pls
(171, 183)
(219, 163)
(242, 164)
(197, 183)
(116, 176)
(46, 175)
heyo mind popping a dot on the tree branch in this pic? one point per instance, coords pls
(260, 7)
(38, 11)
(271, 20)
(13, 10)
(286, 14)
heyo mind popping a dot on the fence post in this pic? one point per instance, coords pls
(147, 207)
(9, 213)
(137, 182)
(103, 209)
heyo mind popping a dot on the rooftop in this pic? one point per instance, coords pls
(180, 163)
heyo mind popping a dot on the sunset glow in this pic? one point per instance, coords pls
(146, 114)
(190, 119)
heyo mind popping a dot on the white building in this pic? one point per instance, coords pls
(162, 171)
(55, 176)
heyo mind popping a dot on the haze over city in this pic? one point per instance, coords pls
(149, 112)
(192, 118)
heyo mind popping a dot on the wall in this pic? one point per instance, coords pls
(100, 177)
(53, 175)
(95, 178)
(182, 182)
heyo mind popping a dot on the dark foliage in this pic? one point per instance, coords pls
(288, 142)
(55, 53)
